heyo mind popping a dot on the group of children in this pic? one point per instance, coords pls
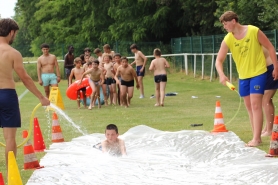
(111, 70)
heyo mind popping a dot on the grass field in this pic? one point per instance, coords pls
(178, 114)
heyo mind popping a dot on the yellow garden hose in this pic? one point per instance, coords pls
(30, 127)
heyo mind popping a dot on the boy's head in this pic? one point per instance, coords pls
(157, 52)
(89, 64)
(8, 26)
(86, 58)
(111, 132)
(70, 49)
(106, 48)
(82, 57)
(107, 58)
(95, 64)
(87, 51)
(45, 48)
(228, 16)
(117, 58)
(124, 61)
(98, 52)
(78, 62)
(133, 48)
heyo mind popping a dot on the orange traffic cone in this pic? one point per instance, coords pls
(273, 149)
(218, 119)
(1, 179)
(30, 159)
(39, 145)
(57, 135)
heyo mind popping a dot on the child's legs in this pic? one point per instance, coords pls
(97, 95)
(157, 93)
(123, 94)
(84, 98)
(78, 98)
(104, 91)
(269, 110)
(129, 94)
(119, 94)
(113, 85)
(140, 81)
(162, 92)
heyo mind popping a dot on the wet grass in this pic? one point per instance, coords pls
(178, 114)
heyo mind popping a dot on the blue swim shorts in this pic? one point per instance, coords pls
(270, 82)
(9, 109)
(254, 85)
(138, 68)
(49, 79)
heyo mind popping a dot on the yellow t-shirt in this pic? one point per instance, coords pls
(247, 53)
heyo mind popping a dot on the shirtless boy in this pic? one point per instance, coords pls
(45, 69)
(128, 75)
(86, 59)
(117, 60)
(159, 65)
(109, 77)
(10, 61)
(113, 145)
(99, 54)
(107, 50)
(69, 60)
(96, 80)
(77, 73)
(140, 61)
(270, 90)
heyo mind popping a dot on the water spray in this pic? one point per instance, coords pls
(233, 88)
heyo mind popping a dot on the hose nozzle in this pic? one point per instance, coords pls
(231, 86)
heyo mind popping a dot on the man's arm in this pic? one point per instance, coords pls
(151, 66)
(167, 65)
(27, 80)
(264, 41)
(57, 70)
(222, 53)
(70, 77)
(84, 74)
(39, 66)
(145, 60)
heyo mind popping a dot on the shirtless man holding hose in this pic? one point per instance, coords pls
(45, 70)
(11, 60)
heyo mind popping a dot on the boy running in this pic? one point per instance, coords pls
(140, 61)
(245, 43)
(117, 60)
(159, 66)
(96, 80)
(113, 145)
(128, 75)
(109, 77)
(77, 73)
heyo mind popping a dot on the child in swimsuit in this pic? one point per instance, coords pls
(109, 76)
(77, 74)
(95, 80)
(159, 65)
(117, 59)
(113, 145)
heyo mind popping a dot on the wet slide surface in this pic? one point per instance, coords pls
(156, 158)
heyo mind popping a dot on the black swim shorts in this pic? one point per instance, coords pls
(160, 78)
(127, 83)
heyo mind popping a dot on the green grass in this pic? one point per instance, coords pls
(179, 112)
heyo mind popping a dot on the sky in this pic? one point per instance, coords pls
(7, 8)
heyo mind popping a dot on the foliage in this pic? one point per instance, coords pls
(91, 23)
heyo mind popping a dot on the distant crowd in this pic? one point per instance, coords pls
(106, 69)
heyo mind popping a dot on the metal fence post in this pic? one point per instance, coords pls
(185, 64)
(212, 66)
(203, 65)
(194, 63)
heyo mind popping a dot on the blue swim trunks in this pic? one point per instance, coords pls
(270, 83)
(254, 85)
(9, 109)
(138, 68)
(49, 79)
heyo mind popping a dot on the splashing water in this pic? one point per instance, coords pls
(23, 94)
(62, 113)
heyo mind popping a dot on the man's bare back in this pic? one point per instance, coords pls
(159, 65)
(8, 55)
(127, 74)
